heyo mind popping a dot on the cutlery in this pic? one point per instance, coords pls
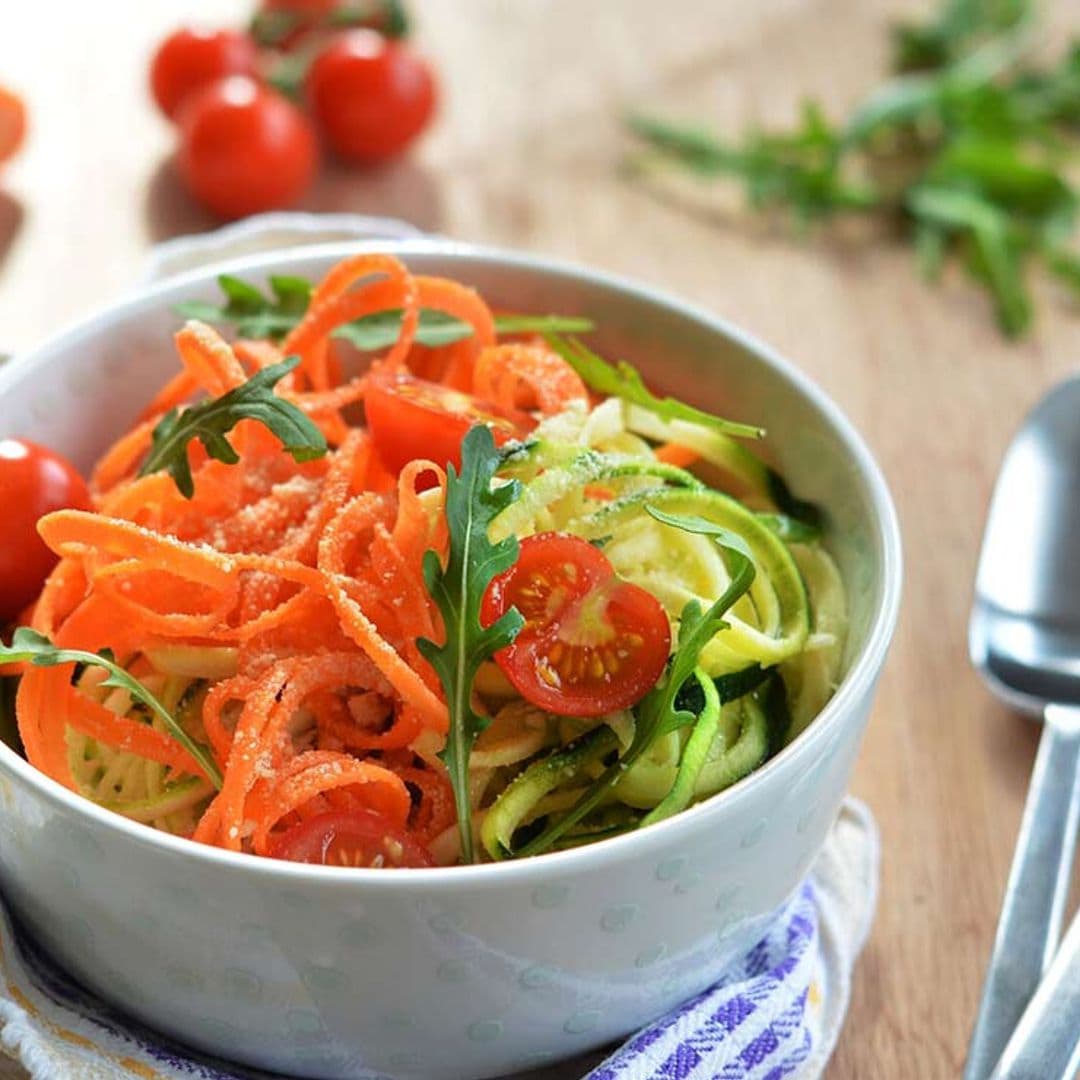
(1046, 1043)
(1024, 638)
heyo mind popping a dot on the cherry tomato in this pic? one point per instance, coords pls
(244, 148)
(33, 482)
(189, 59)
(359, 838)
(371, 97)
(591, 643)
(12, 123)
(411, 418)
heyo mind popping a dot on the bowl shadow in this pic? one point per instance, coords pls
(403, 189)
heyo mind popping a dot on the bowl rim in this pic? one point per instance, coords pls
(858, 680)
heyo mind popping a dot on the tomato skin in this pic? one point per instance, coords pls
(371, 97)
(33, 482)
(245, 148)
(592, 643)
(412, 418)
(358, 838)
(190, 59)
(12, 123)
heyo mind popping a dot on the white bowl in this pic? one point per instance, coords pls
(468, 971)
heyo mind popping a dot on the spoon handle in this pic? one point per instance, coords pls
(1030, 923)
(1046, 1043)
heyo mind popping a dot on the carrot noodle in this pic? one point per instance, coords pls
(527, 377)
(453, 364)
(308, 576)
(332, 304)
(674, 454)
(317, 771)
(256, 355)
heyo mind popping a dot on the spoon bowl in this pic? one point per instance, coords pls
(1025, 624)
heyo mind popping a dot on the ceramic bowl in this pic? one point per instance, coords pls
(459, 972)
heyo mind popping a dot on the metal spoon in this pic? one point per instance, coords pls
(1024, 638)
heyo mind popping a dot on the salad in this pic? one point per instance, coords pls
(388, 580)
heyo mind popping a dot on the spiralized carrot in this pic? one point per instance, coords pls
(680, 456)
(527, 377)
(309, 576)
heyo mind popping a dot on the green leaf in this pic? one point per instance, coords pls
(660, 711)
(28, 646)
(968, 146)
(995, 258)
(244, 299)
(293, 294)
(386, 16)
(210, 421)
(791, 530)
(801, 170)
(623, 381)
(473, 501)
(254, 315)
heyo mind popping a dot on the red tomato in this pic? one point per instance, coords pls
(12, 123)
(33, 482)
(591, 643)
(371, 97)
(350, 838)
(410, 418)
(244, 148)
(189, 59)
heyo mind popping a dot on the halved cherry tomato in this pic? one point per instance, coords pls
(591, 643)
(245, 148)
(411, 418)
(189, 59)
(33, 482)
(359, 838)
(371, 97)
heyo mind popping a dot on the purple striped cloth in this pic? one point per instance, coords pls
(757, 1023)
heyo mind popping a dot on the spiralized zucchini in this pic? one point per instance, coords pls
(759, 681)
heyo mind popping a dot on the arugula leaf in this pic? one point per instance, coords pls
(967, 147)
(661, 711)
(254, 315)
(996, 257)
(210, 421)
(623, 381)
(801, 170)
(29, 646)
(472, 503)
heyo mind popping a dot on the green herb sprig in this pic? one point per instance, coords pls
(472, 503)
(660, 711)
(255, 315)
(966, 148)
(271, 28)
(28, 646)
(210, 421)
(621, 380)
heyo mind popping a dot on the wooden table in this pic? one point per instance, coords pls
(526, 154)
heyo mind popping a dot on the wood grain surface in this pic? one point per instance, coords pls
(526, 153)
